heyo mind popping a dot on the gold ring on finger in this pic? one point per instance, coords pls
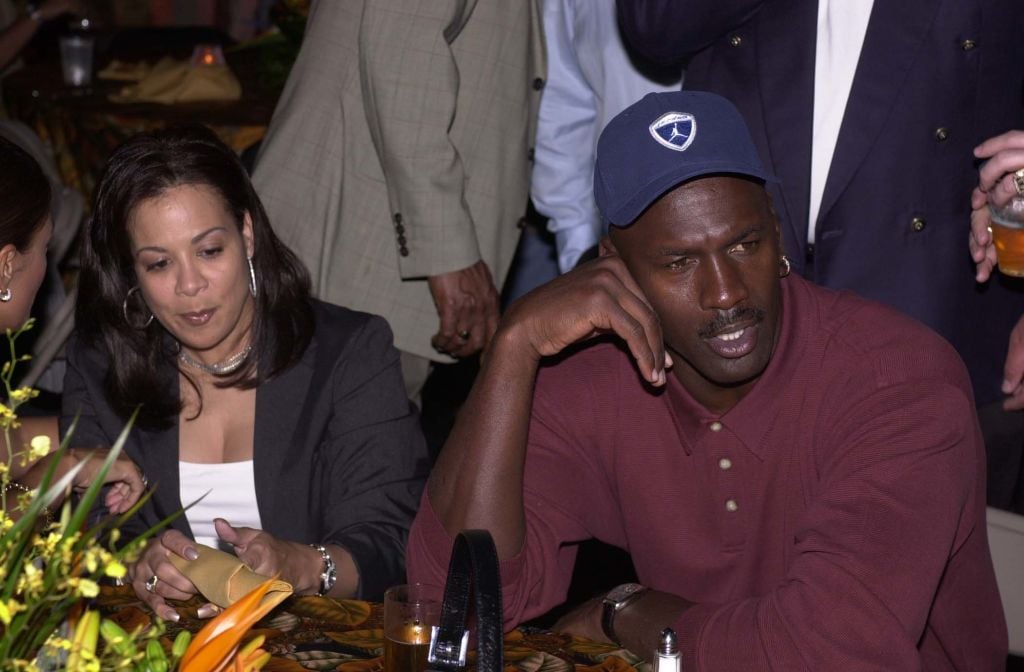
(1018, 181)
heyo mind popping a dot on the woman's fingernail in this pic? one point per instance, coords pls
(172, 616)
(191, 553)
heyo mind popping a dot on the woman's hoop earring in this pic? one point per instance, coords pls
(6, 294)
(786, 267)
(124, 309)
(252, 278)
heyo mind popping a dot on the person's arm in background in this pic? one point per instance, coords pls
(670, 31)
(410, 85)
(562, 181)
(1003, 155)
(14, 38)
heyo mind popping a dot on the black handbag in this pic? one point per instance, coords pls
(473, 570)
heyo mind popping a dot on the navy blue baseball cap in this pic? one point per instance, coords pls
(663, 140)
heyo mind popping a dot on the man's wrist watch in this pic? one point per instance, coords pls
(614, 602)
(329, 573)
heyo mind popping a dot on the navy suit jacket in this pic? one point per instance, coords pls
(338, 454)
(935, 78)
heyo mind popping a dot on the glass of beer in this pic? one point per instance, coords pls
(409, 612)
(1008, 236)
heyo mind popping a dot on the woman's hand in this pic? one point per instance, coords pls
(156, 580)
(265, 554)
(126, 478)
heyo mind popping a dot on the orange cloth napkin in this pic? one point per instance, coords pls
(170, 81)
(223, 579)
(124, 71)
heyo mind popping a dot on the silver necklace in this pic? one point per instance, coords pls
(220, 368)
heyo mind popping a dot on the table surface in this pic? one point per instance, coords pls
(319, 633)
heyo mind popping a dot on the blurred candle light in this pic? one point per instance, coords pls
(207, 54)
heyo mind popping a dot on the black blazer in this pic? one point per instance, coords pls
(934, 79)
(338, 456)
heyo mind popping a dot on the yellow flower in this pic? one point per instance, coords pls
(9, 609)
(88, 588)
(115, 570)
(39, 447)
(23, 394)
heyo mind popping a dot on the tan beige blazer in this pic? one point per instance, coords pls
(399, 149)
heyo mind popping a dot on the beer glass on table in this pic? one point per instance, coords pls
(409, 613)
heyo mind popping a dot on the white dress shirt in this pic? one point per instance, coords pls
(591, 78)
(230, 493)
(842, 25)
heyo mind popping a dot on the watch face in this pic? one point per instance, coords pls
(620, 593)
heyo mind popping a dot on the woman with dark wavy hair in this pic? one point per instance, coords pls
(25, 232)
(288, 414)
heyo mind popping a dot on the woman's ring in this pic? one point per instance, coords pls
(1018, 181)
(464, 335)
(151, 583)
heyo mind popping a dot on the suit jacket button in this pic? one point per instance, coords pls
(404, 251)
(967, 45)
(399, 229)
(917, 224)
(735, 40)
(401, 240)
(538, 83)
(397, 218)
(941, 134)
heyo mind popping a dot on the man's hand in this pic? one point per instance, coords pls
(584, 621)
(598, 297)
(1004, 155)
(1013, 370)
(467, 303)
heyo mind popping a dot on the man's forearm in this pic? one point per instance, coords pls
(478, 479)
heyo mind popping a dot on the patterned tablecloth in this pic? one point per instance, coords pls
(319, 633)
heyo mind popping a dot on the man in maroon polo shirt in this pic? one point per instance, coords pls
(797, 472)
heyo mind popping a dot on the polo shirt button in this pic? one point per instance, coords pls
(731, 506)
(725, 464)
(917, 224)
(967, 45)
(942, 134)
(735, 40)
(715, 426)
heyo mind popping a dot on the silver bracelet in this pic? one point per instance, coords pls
(329, 573)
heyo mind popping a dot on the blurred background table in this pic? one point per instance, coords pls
(319, 633)
(83, 126)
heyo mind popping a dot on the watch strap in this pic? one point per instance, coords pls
(329, 571)
(611, 606)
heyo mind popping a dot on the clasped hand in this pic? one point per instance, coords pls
(260, 551)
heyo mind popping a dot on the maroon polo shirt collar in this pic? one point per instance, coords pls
(752, 417)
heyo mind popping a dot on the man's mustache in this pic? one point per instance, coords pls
(726, 318)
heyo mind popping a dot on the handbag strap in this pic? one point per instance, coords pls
(473, 568)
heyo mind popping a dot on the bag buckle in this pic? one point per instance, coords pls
(442, 652)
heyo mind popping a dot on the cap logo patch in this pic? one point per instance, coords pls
(675, 130)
